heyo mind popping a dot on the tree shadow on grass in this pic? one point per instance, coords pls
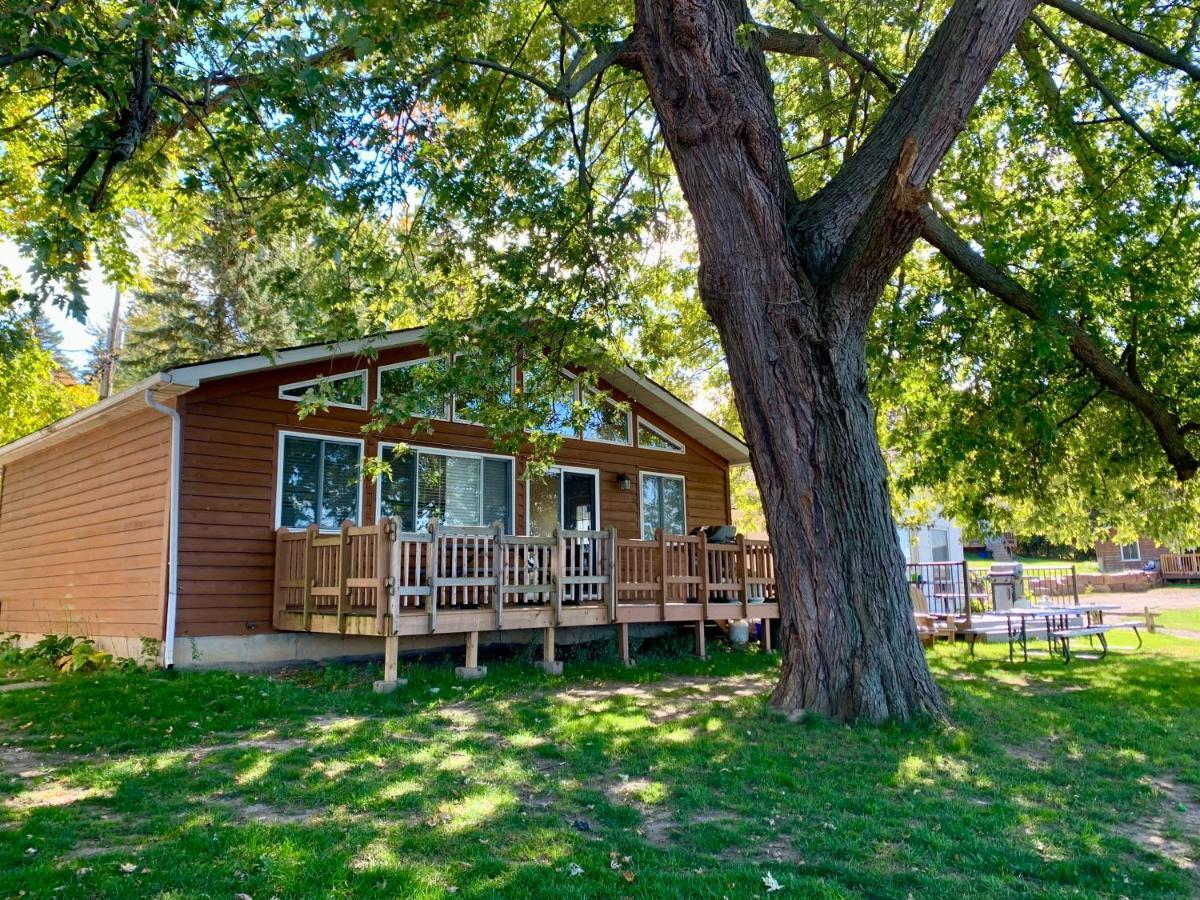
(291, 790)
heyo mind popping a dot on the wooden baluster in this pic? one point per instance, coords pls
(702, 562)
(559, 567)
(282, 559)
(498, 574)
(611, 572)
(344, 559)
(383, 604)
(435, 571)
(661, 537)
(310, 573)
(744, 563)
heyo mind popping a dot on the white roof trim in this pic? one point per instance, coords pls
(195, 374)
(184, 378)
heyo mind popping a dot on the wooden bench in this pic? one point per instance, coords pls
(1100, 631)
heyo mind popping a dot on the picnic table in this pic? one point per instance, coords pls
(1060, 627)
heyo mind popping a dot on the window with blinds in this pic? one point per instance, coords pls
(454, 488)
(319, 481)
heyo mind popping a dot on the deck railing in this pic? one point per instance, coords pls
(473, 578)
(956, 588)
(1180, 566)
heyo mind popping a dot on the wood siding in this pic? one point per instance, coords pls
(1108, 555)
(82, 532)
(227, 502)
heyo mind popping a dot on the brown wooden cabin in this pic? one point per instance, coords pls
(256, 539)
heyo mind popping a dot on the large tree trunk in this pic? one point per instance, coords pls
(790, 287)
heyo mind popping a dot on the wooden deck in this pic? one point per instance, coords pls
(1180, 566)
(376, 580)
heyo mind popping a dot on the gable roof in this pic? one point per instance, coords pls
(182, 379)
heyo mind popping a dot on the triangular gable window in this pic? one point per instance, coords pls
(348, 391)
(651, 438)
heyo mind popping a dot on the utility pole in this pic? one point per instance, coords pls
(108, 370)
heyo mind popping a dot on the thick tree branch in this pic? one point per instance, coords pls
(1127, 36)
(32, 52)
(1082, 345)
(790, 43)
(927, 113)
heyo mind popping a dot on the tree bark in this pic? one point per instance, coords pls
(790, 287)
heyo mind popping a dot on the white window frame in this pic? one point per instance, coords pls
(642, 506)
(315, 436)
(579, 470)
(447, 407)
(1137, 548)
(455, 417)
(385, 446)
(642, 423)
(317, 382)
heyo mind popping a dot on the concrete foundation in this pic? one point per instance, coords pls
(386, 687)
(271, 650)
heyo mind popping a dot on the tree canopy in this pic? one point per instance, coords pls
(1040, 367)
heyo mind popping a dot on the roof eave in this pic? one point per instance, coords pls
(89, 416)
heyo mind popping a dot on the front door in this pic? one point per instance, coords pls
(566, 497)
(569, 497)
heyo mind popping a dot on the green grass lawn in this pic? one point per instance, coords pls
(1082, 566)
(1185, 619)
(653, 782)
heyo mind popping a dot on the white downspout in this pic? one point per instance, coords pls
(173, 526)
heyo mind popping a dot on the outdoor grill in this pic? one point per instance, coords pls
(1008, 588)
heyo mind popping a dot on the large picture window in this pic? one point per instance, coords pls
(405, 378)
(608, 423)
(454, 488)
(663, 504)
(320, 481)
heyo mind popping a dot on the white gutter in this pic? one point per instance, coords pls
(173, 533)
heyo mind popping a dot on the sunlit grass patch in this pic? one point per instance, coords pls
(1049, 781)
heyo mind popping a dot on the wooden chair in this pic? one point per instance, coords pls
(929, 626)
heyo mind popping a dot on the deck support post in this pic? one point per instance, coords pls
(472, 669)
(623, 643)
(391, 666)
(700, 639)
(766, 635)
(548, 664)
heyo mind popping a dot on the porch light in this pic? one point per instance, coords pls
(624, 482)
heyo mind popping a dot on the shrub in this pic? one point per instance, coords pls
(84, 657)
